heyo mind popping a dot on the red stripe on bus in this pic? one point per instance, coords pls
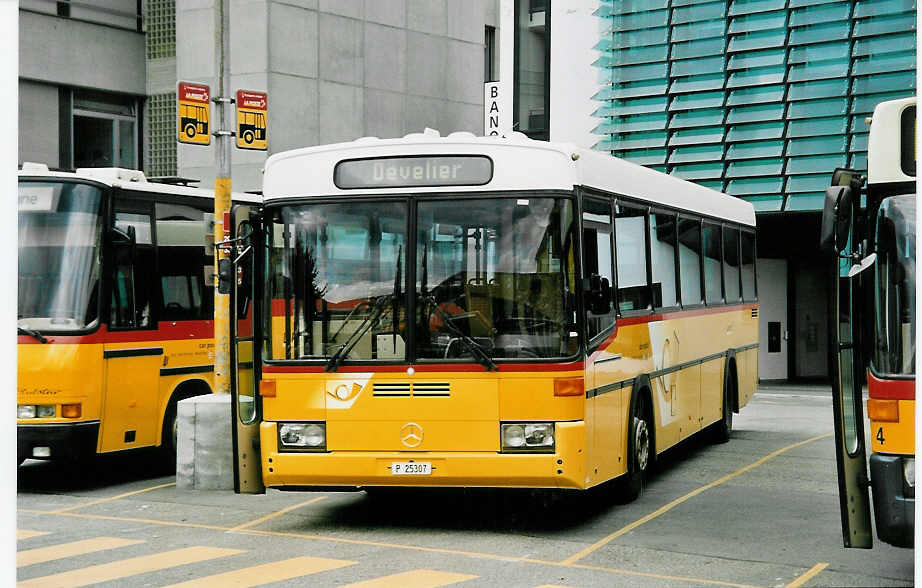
(166, 331)
(460, 367)
(891, 389)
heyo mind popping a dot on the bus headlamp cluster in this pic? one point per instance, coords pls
(302, 436)
(521, 437)
(35, 411)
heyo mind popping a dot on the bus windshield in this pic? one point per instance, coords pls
(494, 278)
(60, 231)
(895, 272)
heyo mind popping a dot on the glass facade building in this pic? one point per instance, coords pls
(761, 99)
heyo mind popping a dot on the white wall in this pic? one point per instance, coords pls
(574, 81)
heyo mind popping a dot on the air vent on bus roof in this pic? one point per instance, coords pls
(113, 173)
(30, 167)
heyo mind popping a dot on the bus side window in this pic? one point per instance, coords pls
(597, 258)
(132, 279)
(748, 264)
(662, 255)
(732, 263)
(690, 261)
(180, 238)
(712, 261)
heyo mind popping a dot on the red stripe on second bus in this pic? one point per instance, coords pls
(457, 367)
(891, 389)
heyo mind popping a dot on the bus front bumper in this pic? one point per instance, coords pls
(894, 500)
(57, 440)
(565, 468)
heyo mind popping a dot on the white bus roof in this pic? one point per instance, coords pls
(519, 163)
(885, 142)
(131, 179)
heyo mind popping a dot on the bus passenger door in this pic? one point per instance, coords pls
(244, 354)
(847, 401)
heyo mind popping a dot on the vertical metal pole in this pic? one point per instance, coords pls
(222, 197)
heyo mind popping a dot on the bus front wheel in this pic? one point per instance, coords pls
(640, 448)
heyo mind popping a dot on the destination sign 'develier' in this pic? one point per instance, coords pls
(405, 172)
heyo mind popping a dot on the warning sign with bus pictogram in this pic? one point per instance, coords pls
(194, 113)
(251, 120)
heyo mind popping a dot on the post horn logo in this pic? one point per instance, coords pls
(411, 435)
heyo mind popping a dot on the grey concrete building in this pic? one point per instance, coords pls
(334, 70)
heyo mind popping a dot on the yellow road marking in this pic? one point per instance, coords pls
(27, 534)
(808, 575)
(277, 571)
(118, 497)
(666, 508)
(277, 513)
(414, 579)
(472, 554)
(129, 567)
(53, 552)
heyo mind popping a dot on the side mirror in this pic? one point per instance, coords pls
(598, 294)
(837, 212)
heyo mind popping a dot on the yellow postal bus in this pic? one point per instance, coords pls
(500, 312)
(115, 310)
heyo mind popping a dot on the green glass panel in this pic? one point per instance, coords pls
(757, 113)
(761, 40)
(677, 3)
(757, 95)
(603, 11)
(800, 3)
(698, 30)
(690, 67)
(816, 145)
(882, 7)
(865, 104)
(717, 185)
(858, 161)
(697, 83)
(858, 124)
(635, 73)
(886, 44)
(605, 144)
(760, 76)
(882, 25)
(756, 59)
(886, 62)
(761, 21)
(606, 93)
(702, 48)
(766, 203)
(818, 70)
(809, 183)
(636, 55)
(639, 106)
(643, 122)
(624, 40)
(697, 153)
(642, 88)
(627, 6)
(698, 12)
(755, 132)
(812, 164)
(806, 201)
(819, 89)
(754, 167)
(696, 101)
(755, 150)
(604, 44)
(813, 127)
(817, 108)
(646, 156)
(697, 118)
(696, 136)
(639, 140)
(750, 6)
(818, 33)
(640, 20)
(754, 186)
(698, 171)
(820, 14)
(819, 52)
(858, 142)
(884, 83)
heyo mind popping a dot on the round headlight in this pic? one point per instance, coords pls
(514, 436)
(314, 436)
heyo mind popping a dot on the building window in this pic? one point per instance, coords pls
(104, 130)
(160, 125)
(530, 95)
(489, 54)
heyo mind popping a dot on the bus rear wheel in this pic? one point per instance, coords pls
(720, 431)
(640, 449)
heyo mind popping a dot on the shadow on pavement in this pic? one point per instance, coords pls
(92, 473)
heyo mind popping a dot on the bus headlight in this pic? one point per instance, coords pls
(32, 411)
(25, 411)
(909, 471)
(302, 436)
(538, 437)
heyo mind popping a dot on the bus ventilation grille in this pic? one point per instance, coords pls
(405, 389)
(432, 389)
(755, 313)
(391, 389)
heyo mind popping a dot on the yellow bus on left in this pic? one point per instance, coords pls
(115, 309)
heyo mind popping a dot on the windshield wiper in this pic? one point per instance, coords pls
(473, 346)
(31, 333)
(370, 321)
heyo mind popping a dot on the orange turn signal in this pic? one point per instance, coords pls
(71, 411)
(569, 387)
(887, 411)
(267, 388)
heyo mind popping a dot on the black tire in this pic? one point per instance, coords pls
(641, 449)
(248, 137)
(720, 432)
(168, 436)
(190, 131)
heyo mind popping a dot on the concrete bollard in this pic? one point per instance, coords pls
(204, 452)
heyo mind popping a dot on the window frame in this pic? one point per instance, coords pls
(675, 257)
(593, 341)
(645, 208)
(722, 300)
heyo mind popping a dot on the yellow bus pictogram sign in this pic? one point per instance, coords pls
(251, 120)
(194, 113)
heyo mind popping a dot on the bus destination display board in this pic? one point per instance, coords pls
(405, 172)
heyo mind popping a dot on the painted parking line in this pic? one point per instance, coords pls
(276, 571)
(807, 576)
(82, 547)
(414, 579)
(277, 513)
(27, 534)
(111, 498)
(666, 508)
(129, 567)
